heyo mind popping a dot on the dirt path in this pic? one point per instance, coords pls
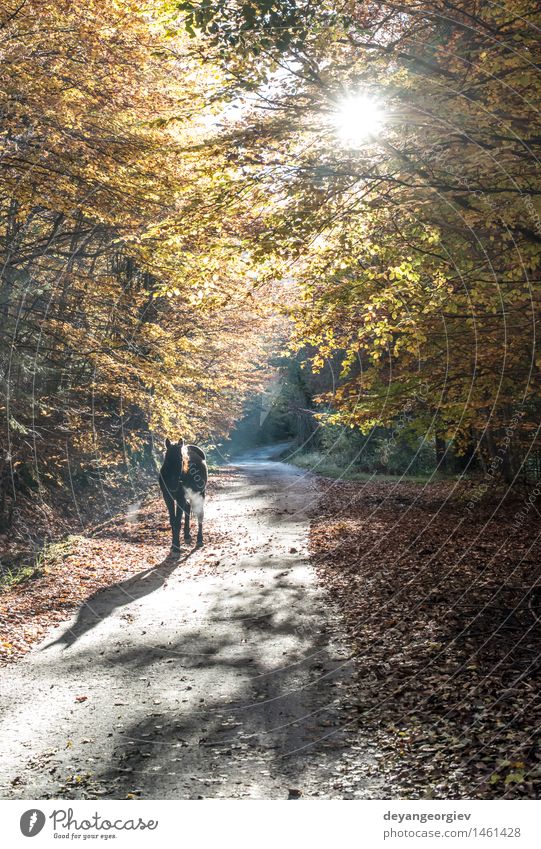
(219, 674)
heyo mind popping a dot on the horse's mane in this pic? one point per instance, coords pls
(185, 457)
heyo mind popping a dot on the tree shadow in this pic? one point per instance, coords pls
(255, 689)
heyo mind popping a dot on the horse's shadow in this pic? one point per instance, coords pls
(104, 602)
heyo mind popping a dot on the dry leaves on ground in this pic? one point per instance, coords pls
(443, 607)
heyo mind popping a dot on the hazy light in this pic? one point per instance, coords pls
(357, 118)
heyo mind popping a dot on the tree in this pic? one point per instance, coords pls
(125, 316)
(417, 251)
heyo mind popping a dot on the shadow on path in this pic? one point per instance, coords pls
(255, 693)
(103, 603)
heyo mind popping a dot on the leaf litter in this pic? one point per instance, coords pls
(442, 608)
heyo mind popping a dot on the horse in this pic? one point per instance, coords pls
(183, 482)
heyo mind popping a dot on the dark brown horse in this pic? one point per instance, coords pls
(183, 482)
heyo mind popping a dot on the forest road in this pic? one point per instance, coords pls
(226, 678)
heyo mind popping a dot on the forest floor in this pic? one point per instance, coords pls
(443, 610)
(221, 673)
(332, 639)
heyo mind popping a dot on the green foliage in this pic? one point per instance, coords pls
(382, 452)
(51, 554)
(250, 28)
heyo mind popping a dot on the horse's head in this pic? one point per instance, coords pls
(173, 449)
(176, 454)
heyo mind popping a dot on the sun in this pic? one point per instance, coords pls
(357, 118)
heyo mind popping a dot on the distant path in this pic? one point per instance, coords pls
(222, 675)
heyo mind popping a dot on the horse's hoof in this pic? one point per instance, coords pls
(199, 543)
(188, 540)
(175, 549)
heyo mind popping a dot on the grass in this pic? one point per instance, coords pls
(51, 554)
(321, 464)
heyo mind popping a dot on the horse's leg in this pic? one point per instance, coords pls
(177, 523)
(187, 511)
(198, 508)
(170, 503)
